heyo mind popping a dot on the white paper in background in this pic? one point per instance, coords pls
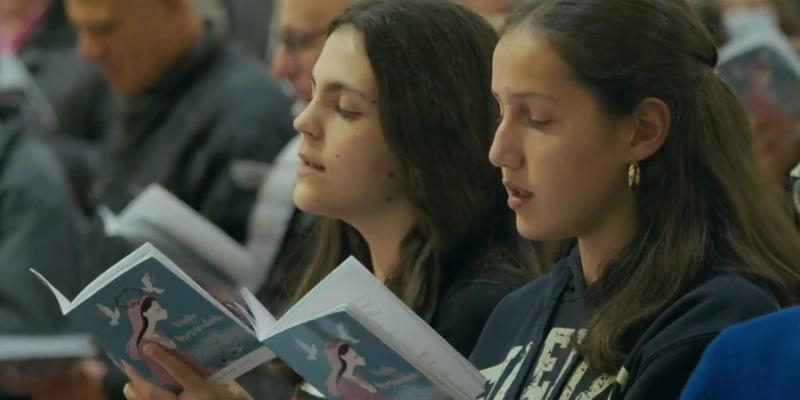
(160, 208)
(27, 347)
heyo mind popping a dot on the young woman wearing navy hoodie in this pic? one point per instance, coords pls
(617, 130)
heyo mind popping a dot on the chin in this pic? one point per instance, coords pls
(530, 230)
(126, 89)
(302, 203)
(307, 200)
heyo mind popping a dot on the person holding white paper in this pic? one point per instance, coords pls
(41, 227)
(393, 149)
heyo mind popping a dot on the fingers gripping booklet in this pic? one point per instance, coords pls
(350, 337)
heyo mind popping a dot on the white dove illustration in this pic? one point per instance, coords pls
(112, 315)
(343, 334)
(310, 349)
(148, 282)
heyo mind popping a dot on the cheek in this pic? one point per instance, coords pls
(361, 174)
(371, 174)
(570, 179)
(362, 158)
(570, 165)
(551, 164)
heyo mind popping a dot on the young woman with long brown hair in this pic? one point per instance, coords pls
(617, 130)
(394, 158)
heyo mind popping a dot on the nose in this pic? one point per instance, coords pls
(506, 151)
(89, 48)
(283, 64)
(307, 123)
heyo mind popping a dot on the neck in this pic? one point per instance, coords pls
(191, 30)
(185, 33)
(600, 244)
(384, 234)
(349, 372)
(151, 330)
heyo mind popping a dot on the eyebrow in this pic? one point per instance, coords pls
(529, 95)
(343, 87)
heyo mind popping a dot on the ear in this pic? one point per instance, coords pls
(651, 123)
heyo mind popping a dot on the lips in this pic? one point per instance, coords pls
(308, 166)
(313, 165)
(516, 190)
(517, 196)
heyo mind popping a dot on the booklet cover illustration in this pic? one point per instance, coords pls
(342, 359)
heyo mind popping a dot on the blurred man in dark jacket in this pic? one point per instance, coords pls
(194, 111)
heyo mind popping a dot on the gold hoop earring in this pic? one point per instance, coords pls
(634, 175)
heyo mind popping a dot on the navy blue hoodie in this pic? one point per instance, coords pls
(527, 348)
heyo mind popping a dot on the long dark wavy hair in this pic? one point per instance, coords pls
(432, 64)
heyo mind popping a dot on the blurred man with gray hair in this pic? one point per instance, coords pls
(193, 111)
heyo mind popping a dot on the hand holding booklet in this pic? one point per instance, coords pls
(350, 337)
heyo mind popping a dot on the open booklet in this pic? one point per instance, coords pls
(349, 337)
(352, 338)
(145, 298)
(764, 71)
(158, 217)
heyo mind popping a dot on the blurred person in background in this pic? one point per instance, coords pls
(193, 110)
(782, 13)
(40, 227)
(70, 97)
(300, 30)
(778, 150)
(251, 24)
